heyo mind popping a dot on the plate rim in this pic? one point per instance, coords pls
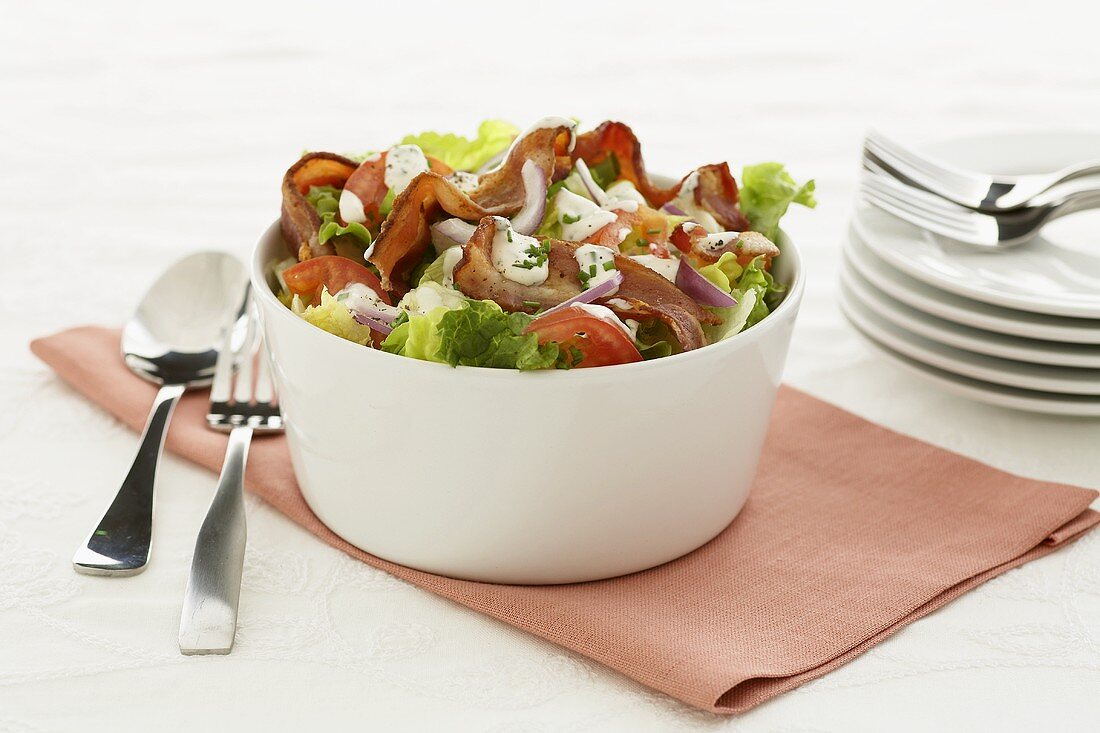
(983, 372)
(997, 323)
(976, 340)
(988, 393)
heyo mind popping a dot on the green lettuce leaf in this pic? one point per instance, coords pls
(333, 316)
(326, 200)
(460, 153)
(477, 334)
(767, 189)
(753, 290)
(724, 272)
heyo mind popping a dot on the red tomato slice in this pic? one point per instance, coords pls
(306, 279)
(600, 343)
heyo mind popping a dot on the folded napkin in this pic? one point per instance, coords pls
(851, 532)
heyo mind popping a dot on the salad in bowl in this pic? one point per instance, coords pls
(547, 249)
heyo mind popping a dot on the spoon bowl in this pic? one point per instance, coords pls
(173, 341)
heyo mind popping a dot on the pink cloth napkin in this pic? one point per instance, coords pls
(851, 532)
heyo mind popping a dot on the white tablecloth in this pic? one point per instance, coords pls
(131, 135)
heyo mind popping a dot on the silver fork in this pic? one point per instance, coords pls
(241, 407)
(992, 194)
(994, 231)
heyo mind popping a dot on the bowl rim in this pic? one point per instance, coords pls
(261, 288)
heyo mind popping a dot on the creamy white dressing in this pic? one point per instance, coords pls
(517, 256)
(360, 297)
(404, 163)
(666, 267)
(450, 261)
(605, 314)
(580, 218)
(685, 201)
(351, 208)
(597, 264)
(428, 297)
(713, 243)
(466, 182)
(624, 191)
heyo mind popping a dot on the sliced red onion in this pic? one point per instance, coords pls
(452, 232)
(702, 290)
(375, 319)
(673, 209)
(528, 219)
(602, 290)
(598, 194)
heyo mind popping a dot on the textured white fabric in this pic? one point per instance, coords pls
(131, 135)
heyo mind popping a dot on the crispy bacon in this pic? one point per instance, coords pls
(649, 294)
(502, 188)
(688, 239)
(716, 192)
(406, 233)
(299, 219)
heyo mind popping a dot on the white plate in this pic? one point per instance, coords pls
(991, 394)
(1037, 377)
(1058, 273)
(928, 299)
(964, 337)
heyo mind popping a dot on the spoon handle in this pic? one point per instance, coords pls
(119, 545)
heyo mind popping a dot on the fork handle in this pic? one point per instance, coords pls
(119, 545)
(1083, 200)
(208, 623)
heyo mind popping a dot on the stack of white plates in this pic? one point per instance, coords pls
(1018, 328)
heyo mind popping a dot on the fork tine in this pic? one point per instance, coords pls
(901, 208)
(899, 156)
(265, 389)
(222, 385)
(242, 391)
(919, 200)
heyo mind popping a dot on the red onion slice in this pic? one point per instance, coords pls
(374, 319)
(604, 289)
(452, 232)
(374, 324)
(528, 219)
(598, 194)
(702, 290)
(673, 209)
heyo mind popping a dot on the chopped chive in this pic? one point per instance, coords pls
(531, 304)
(566, 219)
(609, 265)
(652, 231)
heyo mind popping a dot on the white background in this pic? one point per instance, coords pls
(130, 135)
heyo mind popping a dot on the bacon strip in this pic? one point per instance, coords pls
(650, 294)
(406, 233)
(716, 192)
(547, 147)
(298, 218)
(746, 245)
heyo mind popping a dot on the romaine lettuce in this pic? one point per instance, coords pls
(326, 200)
(477, 334)
(767, 189)
(463, 154)
(331, 315)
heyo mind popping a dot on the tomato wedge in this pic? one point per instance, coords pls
(306, 279)
(600, 342)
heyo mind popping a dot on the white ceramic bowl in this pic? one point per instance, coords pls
(524, 477)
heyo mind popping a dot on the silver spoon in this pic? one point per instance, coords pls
(173, 341)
